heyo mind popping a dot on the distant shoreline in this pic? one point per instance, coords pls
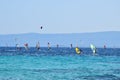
(59, 33)
(63, 47)
(99, 39)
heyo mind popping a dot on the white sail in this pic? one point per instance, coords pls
(17, 45)
(38, 45)
(93, 48)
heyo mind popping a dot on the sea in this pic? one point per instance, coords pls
(59, 64)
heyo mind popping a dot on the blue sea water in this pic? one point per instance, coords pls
(59, 64)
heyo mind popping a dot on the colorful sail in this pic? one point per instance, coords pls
(78, 51)
(26, 46)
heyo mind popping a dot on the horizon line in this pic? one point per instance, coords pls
(59, 33)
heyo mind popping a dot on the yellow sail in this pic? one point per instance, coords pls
(77, 50)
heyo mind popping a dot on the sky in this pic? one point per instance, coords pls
(59, 16)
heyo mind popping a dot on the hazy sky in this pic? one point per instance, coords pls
(59, 16)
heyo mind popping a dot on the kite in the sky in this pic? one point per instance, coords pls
(41, 27)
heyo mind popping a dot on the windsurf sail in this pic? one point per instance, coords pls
(26, 46)
(104, 46)
(38, 46)
(71, 46)
(17, 46)
(48, 45)
(93, 48)
(57, 46)
(78, 51)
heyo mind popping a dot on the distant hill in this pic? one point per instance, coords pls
(110, 39)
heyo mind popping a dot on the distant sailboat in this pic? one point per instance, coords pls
(93, 48)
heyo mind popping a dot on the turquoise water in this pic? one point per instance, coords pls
(59, 64)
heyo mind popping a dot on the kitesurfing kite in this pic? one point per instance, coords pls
(41, 27)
